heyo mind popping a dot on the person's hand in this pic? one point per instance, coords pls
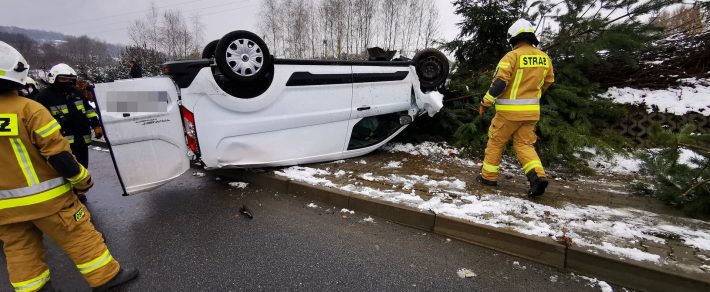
(98, 132)
(83, 187)
(482, 110)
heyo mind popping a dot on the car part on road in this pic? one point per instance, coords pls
(246, 212)
(432, 68)
(243, 56)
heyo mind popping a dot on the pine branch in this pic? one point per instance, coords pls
(695, 147)
(695, 187)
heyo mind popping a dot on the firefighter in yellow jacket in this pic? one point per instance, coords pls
(521, 78)
(39, 183)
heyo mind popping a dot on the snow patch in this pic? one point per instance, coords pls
(347, 211)
(369, 220)
(465, 273)
(311, 205)
(393, 164)
(690, 96)
(596, 228)
(239, 185)
(604, 286)
(198, 174)
(618, 163)
(306, 174)
(100, 149)
(687, 155)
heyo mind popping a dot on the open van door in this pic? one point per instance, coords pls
(143, 129)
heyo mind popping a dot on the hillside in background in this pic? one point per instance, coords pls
(41, 36)
(44, 36)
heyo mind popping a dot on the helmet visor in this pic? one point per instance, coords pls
(66, 79)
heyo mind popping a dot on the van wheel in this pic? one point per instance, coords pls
(243, 56)
(432, 68)
(208, 51)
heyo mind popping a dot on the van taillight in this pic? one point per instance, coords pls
(188, 121)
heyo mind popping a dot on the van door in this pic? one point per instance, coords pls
(143, 129)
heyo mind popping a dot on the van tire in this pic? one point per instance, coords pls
(432, 68)
(208, 51)
(253, 62)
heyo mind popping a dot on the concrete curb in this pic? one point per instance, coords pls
(639, 276)
(631, 274)
(537, 249)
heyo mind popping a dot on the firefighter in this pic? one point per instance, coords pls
(30, 90)
(39, 180)
(521, 78)
(71, 109)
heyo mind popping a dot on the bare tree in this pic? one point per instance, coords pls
(168, 32)
(343, 29)
(431, 29)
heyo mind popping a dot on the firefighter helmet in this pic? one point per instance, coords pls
(13, 66)
(60, 70)
(522, 30)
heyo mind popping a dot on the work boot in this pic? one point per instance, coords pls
(537, 184)
(486, 182)
(123, 277)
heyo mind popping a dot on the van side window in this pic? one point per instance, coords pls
(372, 130)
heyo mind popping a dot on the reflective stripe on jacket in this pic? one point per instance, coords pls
(30, 188)
(527, 72)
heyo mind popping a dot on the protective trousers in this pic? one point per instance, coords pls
(73, 232)
(524, 138)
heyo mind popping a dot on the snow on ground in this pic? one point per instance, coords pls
(306, 174)
(687, 155)
(604, 286)
(239, 185)
(198, 174)
(431, 149)
(692, 95)
(394, 164)
(618, 163)
(465, 273)
(311, 205)
(369, 220)
(99, 149)
(614, 230)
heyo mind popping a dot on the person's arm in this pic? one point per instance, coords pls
(503, 75)
(93, 118)
(47, 137)
(549, 79)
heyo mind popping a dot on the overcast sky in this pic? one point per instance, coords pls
(107, 19)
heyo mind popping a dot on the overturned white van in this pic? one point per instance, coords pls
(239, 107)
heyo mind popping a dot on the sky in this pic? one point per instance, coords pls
(107, 20)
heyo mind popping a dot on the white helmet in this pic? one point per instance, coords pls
(60, 70)
(30, 81)
(13, 66)
(520, 26)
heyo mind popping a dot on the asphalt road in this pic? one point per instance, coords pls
(189, 236)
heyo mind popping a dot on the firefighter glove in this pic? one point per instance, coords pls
(83, 186)
(482, 110)
(98, 133)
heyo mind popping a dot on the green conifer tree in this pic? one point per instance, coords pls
(683, 184)
(591, 43)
